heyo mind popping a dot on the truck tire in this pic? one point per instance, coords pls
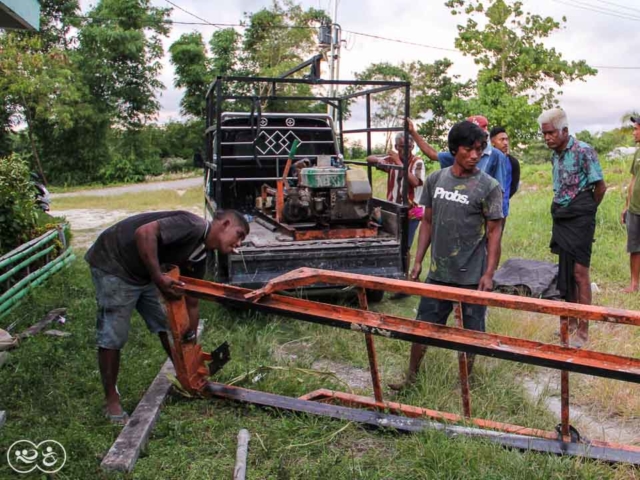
(212, 267)
(374, 296)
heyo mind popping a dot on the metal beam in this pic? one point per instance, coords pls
(414, 425)
(308, 276)
(452, 338)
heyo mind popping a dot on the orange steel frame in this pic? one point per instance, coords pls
(192, 373)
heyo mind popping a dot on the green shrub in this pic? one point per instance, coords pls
(18, 216)
(122, 169)
(536, 152)
(176, 164)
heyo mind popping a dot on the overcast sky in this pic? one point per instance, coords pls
(604, 33)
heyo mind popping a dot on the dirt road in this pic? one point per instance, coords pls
(181, 184)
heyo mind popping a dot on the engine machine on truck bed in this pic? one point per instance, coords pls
(285, 171)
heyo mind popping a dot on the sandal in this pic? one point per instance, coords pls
(118, 418)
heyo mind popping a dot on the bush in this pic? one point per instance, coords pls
(536, 152)
(122, 169)
(176, 164)
(18, 216)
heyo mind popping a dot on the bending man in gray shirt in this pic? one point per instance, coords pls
(462, 224)
(126, 264)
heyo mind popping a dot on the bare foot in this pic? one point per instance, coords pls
(578, 340)
(113, 408)
(630, 289)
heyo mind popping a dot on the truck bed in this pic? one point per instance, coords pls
(266, 254)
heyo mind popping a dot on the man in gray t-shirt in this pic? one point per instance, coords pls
(462, 224)
(126, 270)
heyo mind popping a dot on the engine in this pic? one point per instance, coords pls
(328, 196)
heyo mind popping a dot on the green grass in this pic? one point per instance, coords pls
(51, 389)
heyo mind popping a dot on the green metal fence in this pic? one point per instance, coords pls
(29, 265)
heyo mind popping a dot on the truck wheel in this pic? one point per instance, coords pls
(212, 267)
(375, 296)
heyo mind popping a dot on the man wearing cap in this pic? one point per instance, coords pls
(500, 140)
(631, 214)
(493, 161)
(578, 189)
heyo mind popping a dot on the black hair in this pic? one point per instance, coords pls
(465, 134)
(496, 131)
(233, 215)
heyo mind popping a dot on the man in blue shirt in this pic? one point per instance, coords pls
(493, 161)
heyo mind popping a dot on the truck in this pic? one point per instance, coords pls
(285, 171)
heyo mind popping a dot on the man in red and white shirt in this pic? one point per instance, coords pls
(395, 181)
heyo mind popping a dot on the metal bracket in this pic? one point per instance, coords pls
(573, 433)
(219, 358)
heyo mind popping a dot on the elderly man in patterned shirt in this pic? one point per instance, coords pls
(578, 189)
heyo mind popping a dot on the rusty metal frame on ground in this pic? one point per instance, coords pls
(192, 372)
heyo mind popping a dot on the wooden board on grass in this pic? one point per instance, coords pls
(124, 453)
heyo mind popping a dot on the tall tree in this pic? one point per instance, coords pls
(119, 56)
(388, 107)
(509, 47)
(279, 38)
(275, 39)
(36, 84)
(188, 55)
(57, 19)
(195, 69)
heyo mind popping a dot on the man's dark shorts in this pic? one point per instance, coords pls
(633, 232)
(116, 301)
(437, 311)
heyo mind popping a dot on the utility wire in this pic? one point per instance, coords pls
(618, 5)
(190, 13)
(402, 41)
(592, 8)
(362, 34)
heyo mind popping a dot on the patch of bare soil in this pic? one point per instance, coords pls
(357, 378)
(297, 350)
(592, 424)
(88, 223)
(365, 445)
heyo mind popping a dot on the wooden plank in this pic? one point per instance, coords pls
(382, 420)
(3, 418)
(38, 327)
(124, 453)
(240, 469)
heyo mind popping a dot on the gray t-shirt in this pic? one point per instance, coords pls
(461, 206)
(181, 243)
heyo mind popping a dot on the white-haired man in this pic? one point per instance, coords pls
(578, 189)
